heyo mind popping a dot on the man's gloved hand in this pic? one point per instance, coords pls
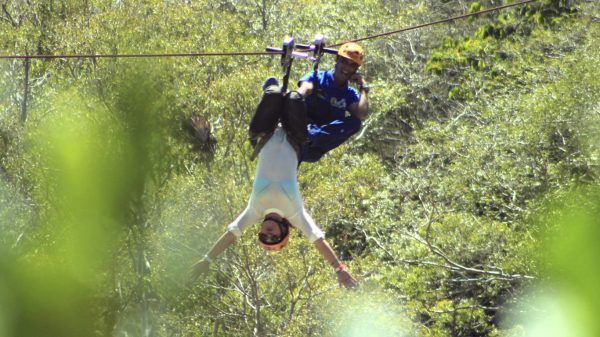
(357, 79)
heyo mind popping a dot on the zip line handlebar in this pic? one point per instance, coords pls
(288, 54)
(296, 54)
(314, 47)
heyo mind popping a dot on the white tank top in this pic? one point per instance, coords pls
(275, 190)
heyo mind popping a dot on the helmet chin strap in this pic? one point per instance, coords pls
(284, 228)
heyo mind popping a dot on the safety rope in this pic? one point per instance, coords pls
(261, 53)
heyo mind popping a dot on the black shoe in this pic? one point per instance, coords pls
(270, 82)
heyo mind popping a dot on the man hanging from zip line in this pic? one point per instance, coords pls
(328, 97)
(328, 124)
(279, 126)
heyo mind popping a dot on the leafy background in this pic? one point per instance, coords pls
(467, 206)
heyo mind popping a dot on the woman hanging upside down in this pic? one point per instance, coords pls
(275, 199)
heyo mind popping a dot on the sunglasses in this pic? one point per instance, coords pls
(270, 239)
(348, 62)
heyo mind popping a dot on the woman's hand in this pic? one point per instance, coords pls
(199, 269)
(346, 280)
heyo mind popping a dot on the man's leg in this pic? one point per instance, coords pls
(294, 119)
(324, 138)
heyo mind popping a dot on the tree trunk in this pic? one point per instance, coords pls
(25, 91)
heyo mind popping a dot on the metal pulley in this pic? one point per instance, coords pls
(287, 56)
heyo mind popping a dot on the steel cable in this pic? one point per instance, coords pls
(262, 52)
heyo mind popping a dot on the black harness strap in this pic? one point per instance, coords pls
(314, 95)
(319, 48)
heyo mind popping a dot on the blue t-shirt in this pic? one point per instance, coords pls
(332, 101)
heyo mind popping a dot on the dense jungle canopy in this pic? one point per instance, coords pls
(468, 205)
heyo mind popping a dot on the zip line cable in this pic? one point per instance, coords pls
(261, 53)
(131, 55)
(435, 22)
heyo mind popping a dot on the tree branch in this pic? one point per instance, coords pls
(438, 251)
(7, 17)
(450, 264)
(469, 307)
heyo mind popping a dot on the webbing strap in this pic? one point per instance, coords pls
(315, 97)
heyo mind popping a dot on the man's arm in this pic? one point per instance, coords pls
(201, 267)
(360, 109)
(245, 219)
(344, 277)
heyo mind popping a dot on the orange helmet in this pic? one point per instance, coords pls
(272, 243)
(352, 51)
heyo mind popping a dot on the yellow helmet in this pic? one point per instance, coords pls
(352, 51)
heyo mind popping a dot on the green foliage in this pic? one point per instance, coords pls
(459, 57)
(475, 7)
(368, 312)
(15, 215)
(463, 178)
